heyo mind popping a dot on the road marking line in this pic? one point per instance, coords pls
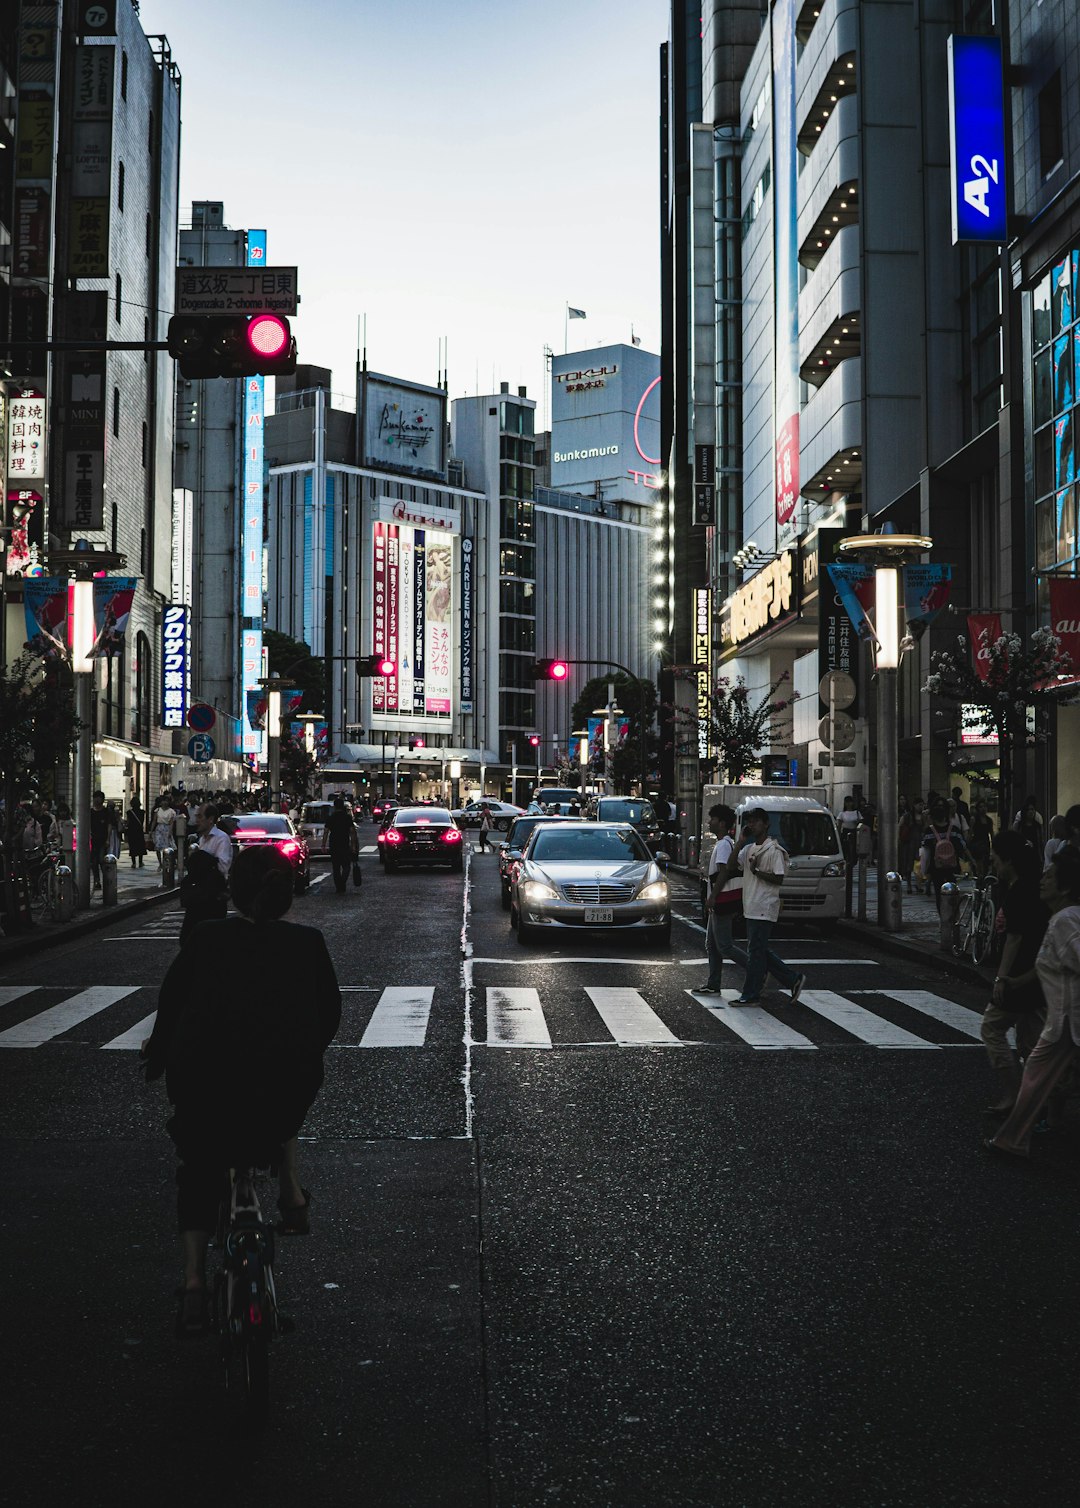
(400, 1018)
(754, 1025)
(630, 1020)
(69, 1013)
(636, 963)
(12, 992)
(320, 879)
(515, 1019)
(946, 1011)
(874, 1030)
(134, 1037)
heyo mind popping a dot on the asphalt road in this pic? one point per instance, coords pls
(576, 1240)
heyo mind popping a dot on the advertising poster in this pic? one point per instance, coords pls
(926, 592)
(984, 630)
(1065, 616)
(855, 587)
(45, 603)
(412, 603)
(113, 596)
(838, 644)
(255, 707)
(786, 283)
(26, 537)
(403, 424)
(466, 625)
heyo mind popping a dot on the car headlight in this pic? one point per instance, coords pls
(657, 891)
(831, 871)
(536, 890)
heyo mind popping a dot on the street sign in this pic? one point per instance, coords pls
(201, 748)
(843, 688)
(236, 290)
(842, 731)
(836, 760)
(201, 717)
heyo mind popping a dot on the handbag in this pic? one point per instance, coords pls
(357, 873)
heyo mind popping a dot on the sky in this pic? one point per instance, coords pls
(448, 169)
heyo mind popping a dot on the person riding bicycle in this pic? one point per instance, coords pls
(245, 1013)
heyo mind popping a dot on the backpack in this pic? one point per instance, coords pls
(945, 852)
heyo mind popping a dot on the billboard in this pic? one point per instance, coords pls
(402, 424)
(251, 526)
(175, 664)
(412, 621)
(605, 422)
(977, 140)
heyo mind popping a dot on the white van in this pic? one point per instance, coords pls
(314, 815)
(814, 887)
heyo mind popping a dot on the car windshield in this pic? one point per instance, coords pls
(262, 822)
(426, 814)
(625, 811)
(587, 845)
(804, 833)
(316, 811)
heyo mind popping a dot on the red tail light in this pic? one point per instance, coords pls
(393, 836)
(289, 847)
(255, 1315)
(451, 835)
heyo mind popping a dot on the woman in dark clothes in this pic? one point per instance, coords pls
(135, 833)
(245, 1013)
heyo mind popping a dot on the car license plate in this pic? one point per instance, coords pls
(602, 914)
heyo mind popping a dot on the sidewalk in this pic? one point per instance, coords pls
(136, 890)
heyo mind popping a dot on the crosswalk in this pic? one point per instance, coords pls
(507, 1017)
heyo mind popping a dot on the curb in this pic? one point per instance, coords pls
(62, 932)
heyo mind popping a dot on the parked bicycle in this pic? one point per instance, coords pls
(244, 1297)
(975, 922)
(45, 884)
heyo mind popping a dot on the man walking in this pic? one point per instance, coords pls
(211, 838)
(764, 863)
(341, 842)
(724, 899)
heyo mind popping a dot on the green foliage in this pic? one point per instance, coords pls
(637, 699)
(739, 730)
(297, 666)
(38, 726)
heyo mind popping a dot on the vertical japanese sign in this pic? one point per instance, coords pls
(378, 611)
(418, 623)
(703, 665)
(438, 638)
(393, 608)
(175, 665)
(838, 643)
(466, 625)
(786, 275)
(91, 167)
(251, 532)
(406, 618)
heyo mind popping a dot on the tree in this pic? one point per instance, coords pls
(297, 666)
(1015, 679)
(739, 730)
(298, 767)
(638, 700)
(37, 727)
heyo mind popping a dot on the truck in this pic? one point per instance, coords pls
(800, 820)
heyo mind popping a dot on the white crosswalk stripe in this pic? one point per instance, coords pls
(515, 1019)
(860, 1022)
(518, 1018)
(61, 1018)
(400, 1018)
(629, 1020)
(755, 1026)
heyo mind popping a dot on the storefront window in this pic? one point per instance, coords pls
(1066, 524)
(1040, 305)
(1055, 390)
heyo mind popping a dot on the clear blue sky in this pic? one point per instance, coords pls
(458, 168)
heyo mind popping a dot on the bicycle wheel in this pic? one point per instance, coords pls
(255, 1363)
(963, 927)
(982, 932)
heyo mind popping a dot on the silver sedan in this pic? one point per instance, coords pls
(597, 876)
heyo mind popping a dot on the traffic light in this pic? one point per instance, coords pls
(374, 665)
(534, 739)
(232, 345)
(551, 670)
(415, 743)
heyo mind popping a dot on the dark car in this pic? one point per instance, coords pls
(633, 809)
(253, 829)
(512, 848)
(422, 835)
(382, 807)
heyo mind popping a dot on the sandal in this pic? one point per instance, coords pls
(294, 1220)
(192, 1312)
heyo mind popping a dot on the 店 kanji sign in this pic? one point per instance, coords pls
(236, 290)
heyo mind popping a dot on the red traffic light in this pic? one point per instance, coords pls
(383, 666)
(268, 335)
(534, 739)
(551, 670)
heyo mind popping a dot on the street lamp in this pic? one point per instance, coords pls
(888, 553)
(273, 737)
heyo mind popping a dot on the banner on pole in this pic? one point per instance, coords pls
(984, 630)
(855, 587)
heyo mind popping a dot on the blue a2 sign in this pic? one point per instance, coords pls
(977, 140)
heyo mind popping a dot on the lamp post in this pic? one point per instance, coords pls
(887, 553)
(273, 738)
(309, 719)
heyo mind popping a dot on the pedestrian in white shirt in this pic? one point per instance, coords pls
(211, 838)
(724, 900)
(764, 863)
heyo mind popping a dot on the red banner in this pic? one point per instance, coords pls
(1065, 616)
(984, 630)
